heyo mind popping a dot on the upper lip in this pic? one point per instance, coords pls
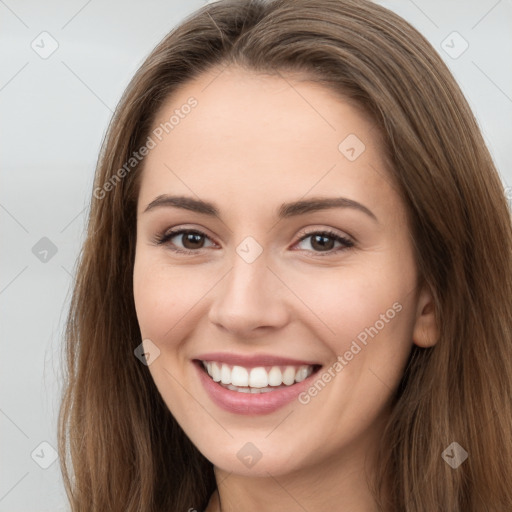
(251, 361)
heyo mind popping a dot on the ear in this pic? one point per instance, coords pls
(425, 332)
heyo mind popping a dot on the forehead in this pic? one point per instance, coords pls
(244, 104)
(269, 136)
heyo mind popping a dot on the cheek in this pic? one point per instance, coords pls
(167, 296)
(367, 316)
(362, 303)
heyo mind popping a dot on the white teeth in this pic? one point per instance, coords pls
(289, 375)
(256, 379)
(249, 390)
(275, 377)
(214, 371)
(225, 374)
(302, 373)
(239, 376)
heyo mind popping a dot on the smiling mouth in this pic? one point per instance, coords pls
(255, 380)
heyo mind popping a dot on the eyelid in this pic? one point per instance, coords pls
(301, 234)
(163, 238)
(347, 240)
(175, 230)
(331, 231)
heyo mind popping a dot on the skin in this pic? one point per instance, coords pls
(252, 143)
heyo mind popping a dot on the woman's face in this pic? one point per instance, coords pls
(262, 293)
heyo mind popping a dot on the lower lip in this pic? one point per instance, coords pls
(251, 403)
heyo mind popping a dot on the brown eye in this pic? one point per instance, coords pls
(191, 240)
(321, 242)
(324, 241)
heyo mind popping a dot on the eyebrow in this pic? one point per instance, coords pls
(286, 210)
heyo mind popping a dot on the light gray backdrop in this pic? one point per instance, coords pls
(64, 66)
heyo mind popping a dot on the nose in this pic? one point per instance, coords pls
(250, 299)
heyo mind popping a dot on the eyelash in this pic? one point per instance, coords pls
(165, 237)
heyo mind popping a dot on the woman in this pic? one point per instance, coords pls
(295, 289)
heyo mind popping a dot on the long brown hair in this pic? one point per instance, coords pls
(120, 447)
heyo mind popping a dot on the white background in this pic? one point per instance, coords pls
(54, 113)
